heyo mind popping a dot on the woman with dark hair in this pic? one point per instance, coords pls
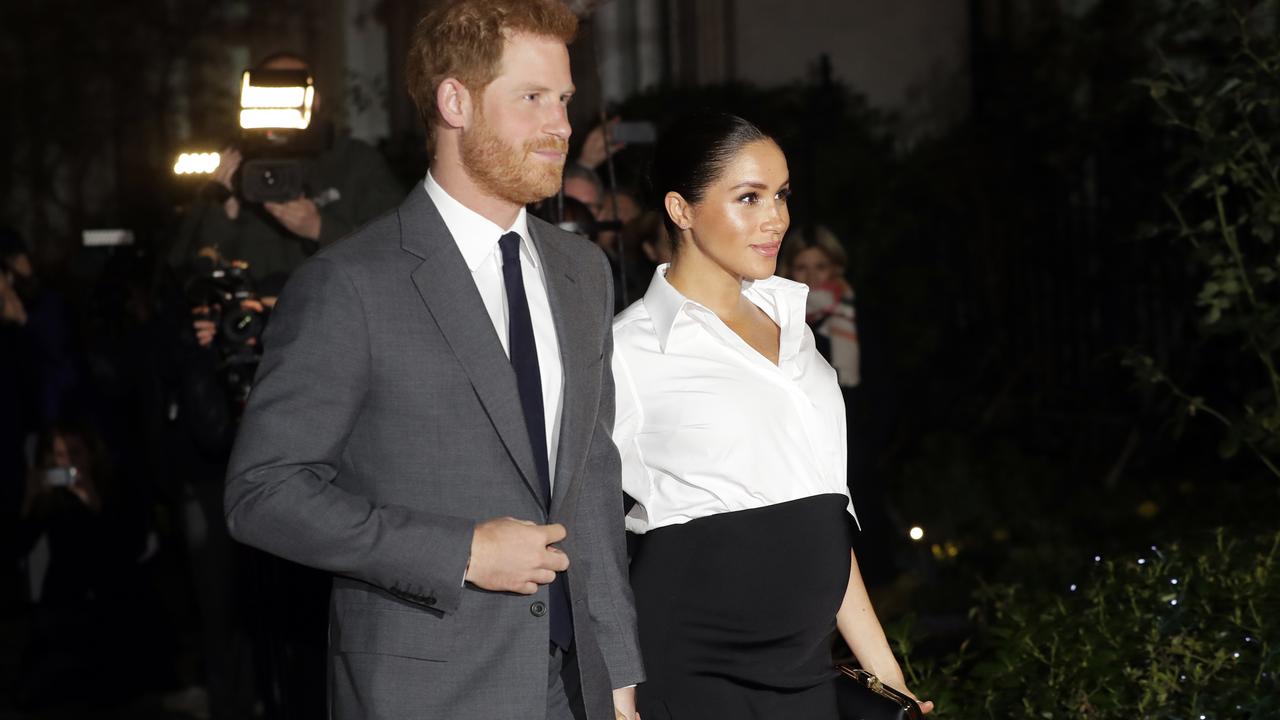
(731, 429)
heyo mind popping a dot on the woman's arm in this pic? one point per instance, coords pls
(856, 620)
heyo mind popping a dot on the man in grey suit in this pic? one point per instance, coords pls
(431, 419)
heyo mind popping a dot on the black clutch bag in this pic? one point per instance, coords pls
(862, 696)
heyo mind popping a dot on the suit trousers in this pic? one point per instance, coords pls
(564, 688)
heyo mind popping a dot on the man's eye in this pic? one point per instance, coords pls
(532, 97)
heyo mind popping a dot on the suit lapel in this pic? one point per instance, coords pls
(573, 321)
(445, 284)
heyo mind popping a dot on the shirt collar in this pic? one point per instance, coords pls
(663, 303)
(782, 300)
(475, 234)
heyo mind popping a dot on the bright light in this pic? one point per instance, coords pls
(275, 107)
(196, 163)
(917, 533)
(271, 97)
(256, 119)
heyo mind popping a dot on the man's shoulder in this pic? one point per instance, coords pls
(383, 228)
(578, 249)
(372, 243)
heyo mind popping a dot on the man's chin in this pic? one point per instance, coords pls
(541, 188)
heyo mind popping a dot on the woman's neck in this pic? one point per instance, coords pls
(702, 280)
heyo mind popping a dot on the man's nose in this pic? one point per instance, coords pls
(558, 123)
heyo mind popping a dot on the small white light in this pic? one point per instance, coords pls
(1073, 587)
(196, 163)
(1097, 558)
(1173, 601)
(1235, 655)
(1142, 561)
(917, 533)
(1173, 581)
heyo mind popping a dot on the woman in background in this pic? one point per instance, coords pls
(816, 258)
(731, 429)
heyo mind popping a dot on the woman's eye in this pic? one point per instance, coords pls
(749, 199)
(784, 195)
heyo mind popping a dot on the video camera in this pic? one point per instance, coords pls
(277, 132)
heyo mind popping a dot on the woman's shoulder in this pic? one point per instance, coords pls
(632, 320)
(633, 330)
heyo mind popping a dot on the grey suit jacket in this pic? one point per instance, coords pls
(385, 423)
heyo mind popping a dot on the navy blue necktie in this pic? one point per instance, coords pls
(524, 359)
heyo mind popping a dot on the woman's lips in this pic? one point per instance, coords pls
(768, 249)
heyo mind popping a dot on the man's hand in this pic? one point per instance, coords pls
(11, 308)
(300, 217)
(206, 330)
(624, 704)
(228, 163)
(515, 555)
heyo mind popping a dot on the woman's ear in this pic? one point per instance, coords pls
(453, 102)
(679, 210)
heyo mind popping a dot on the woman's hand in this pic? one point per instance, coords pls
(894, 679)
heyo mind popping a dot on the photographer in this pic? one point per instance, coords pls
(345, 183)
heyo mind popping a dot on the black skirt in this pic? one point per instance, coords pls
(736, 612)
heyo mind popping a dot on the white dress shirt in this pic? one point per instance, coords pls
(477, 239)
(706, 424)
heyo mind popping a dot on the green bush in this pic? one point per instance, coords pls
(1223, 105)
(1178, 633)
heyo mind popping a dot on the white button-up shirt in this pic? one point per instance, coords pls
(706, 424)
(477, 238)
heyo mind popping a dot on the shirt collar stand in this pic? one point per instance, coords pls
(475, 234)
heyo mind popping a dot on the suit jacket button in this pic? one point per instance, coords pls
(538, 608)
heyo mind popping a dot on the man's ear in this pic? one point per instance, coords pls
(678, 209)
(453, 102)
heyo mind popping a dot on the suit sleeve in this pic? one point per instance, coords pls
(611, 599)
(280, 495)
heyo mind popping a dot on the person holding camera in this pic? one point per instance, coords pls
(345, 183)
(87, 614)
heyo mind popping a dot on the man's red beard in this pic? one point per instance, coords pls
(507, 172)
